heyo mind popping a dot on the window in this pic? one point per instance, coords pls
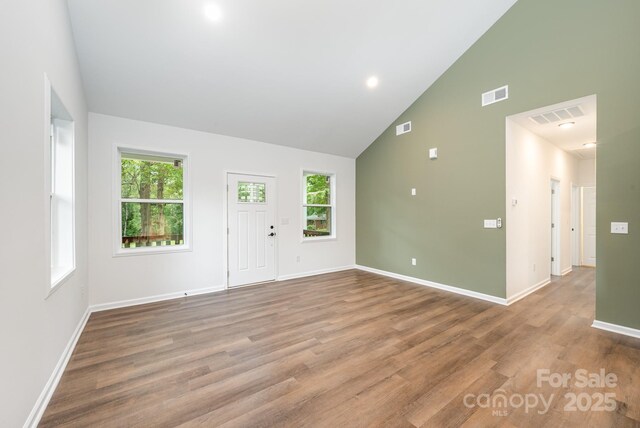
(318, 207)
(151, 203)
(61, 195)
(253, 193)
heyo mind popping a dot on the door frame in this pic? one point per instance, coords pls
(556, 240)
(225, 223)
(582, 230)
(576, 227)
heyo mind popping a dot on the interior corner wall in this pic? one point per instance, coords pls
(442, 225)
(531, 163)
(117, 279)
(36, 39)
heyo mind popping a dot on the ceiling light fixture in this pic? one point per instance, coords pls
(372, 82)
(589, 145)
(567, 125)
(212, 12)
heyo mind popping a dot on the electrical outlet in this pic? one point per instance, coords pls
(298, 259)
(491, 224)
(413, 262)
(413, 192)
(620, 228)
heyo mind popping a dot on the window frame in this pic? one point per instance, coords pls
(52, 131)
(333, 186)
(118, 251)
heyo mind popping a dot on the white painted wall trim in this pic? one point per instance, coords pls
(45, 396)
(614, 328)
(153, 299)
(567, 271)
(524, 293)
(449, 288)
(313, 273)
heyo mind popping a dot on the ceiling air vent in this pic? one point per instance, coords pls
(495, 95)
(557, 115)
(403, 128)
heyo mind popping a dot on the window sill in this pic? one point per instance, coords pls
(58, 277)
(147, 251)
(320, 239)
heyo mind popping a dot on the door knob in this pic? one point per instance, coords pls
(272, 234)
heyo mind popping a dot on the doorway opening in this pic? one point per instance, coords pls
(550, 207)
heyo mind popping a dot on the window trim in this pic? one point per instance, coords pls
(303, 199)
(118, 251)
(51, 284)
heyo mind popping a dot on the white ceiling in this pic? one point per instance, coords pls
(280, 71)
(572, 139)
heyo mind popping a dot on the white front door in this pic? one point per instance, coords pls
(589, 226)
(251, 229)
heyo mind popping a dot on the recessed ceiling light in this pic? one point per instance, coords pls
(589, 145)
(212, 12)
(372, 82)
(567, 125)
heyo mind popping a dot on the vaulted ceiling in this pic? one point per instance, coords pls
(280, 71)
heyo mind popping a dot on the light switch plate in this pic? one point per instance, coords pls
(490, 224)
(433, 153)
(619, 228)
(413, 192)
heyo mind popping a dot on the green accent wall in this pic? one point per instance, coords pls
(547, 52)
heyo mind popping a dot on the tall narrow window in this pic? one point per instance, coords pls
(61, 197)
(318, 207)
(152, 202)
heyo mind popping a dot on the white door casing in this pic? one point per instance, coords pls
(575, 225)
(251, 229)
(555, 227)
(589, 226)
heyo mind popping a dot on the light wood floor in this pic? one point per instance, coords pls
(344, 349)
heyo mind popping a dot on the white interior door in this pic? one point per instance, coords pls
(251, 229)
(589, 226)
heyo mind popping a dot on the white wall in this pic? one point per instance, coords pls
(35, 39)
(587, 173)
(116, 279)
(531, 163)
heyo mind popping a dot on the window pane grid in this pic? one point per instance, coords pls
(318, 204)
(151, 201)
(255, 193)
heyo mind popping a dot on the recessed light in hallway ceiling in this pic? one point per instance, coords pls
(567, 125)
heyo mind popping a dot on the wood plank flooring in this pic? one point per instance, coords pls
(344, 349)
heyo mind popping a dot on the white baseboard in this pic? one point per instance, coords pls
(45, 396)
(457, 290)
(567, 271)
(524, 293)
(313, 273)
(152, 299)
(614, 328)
